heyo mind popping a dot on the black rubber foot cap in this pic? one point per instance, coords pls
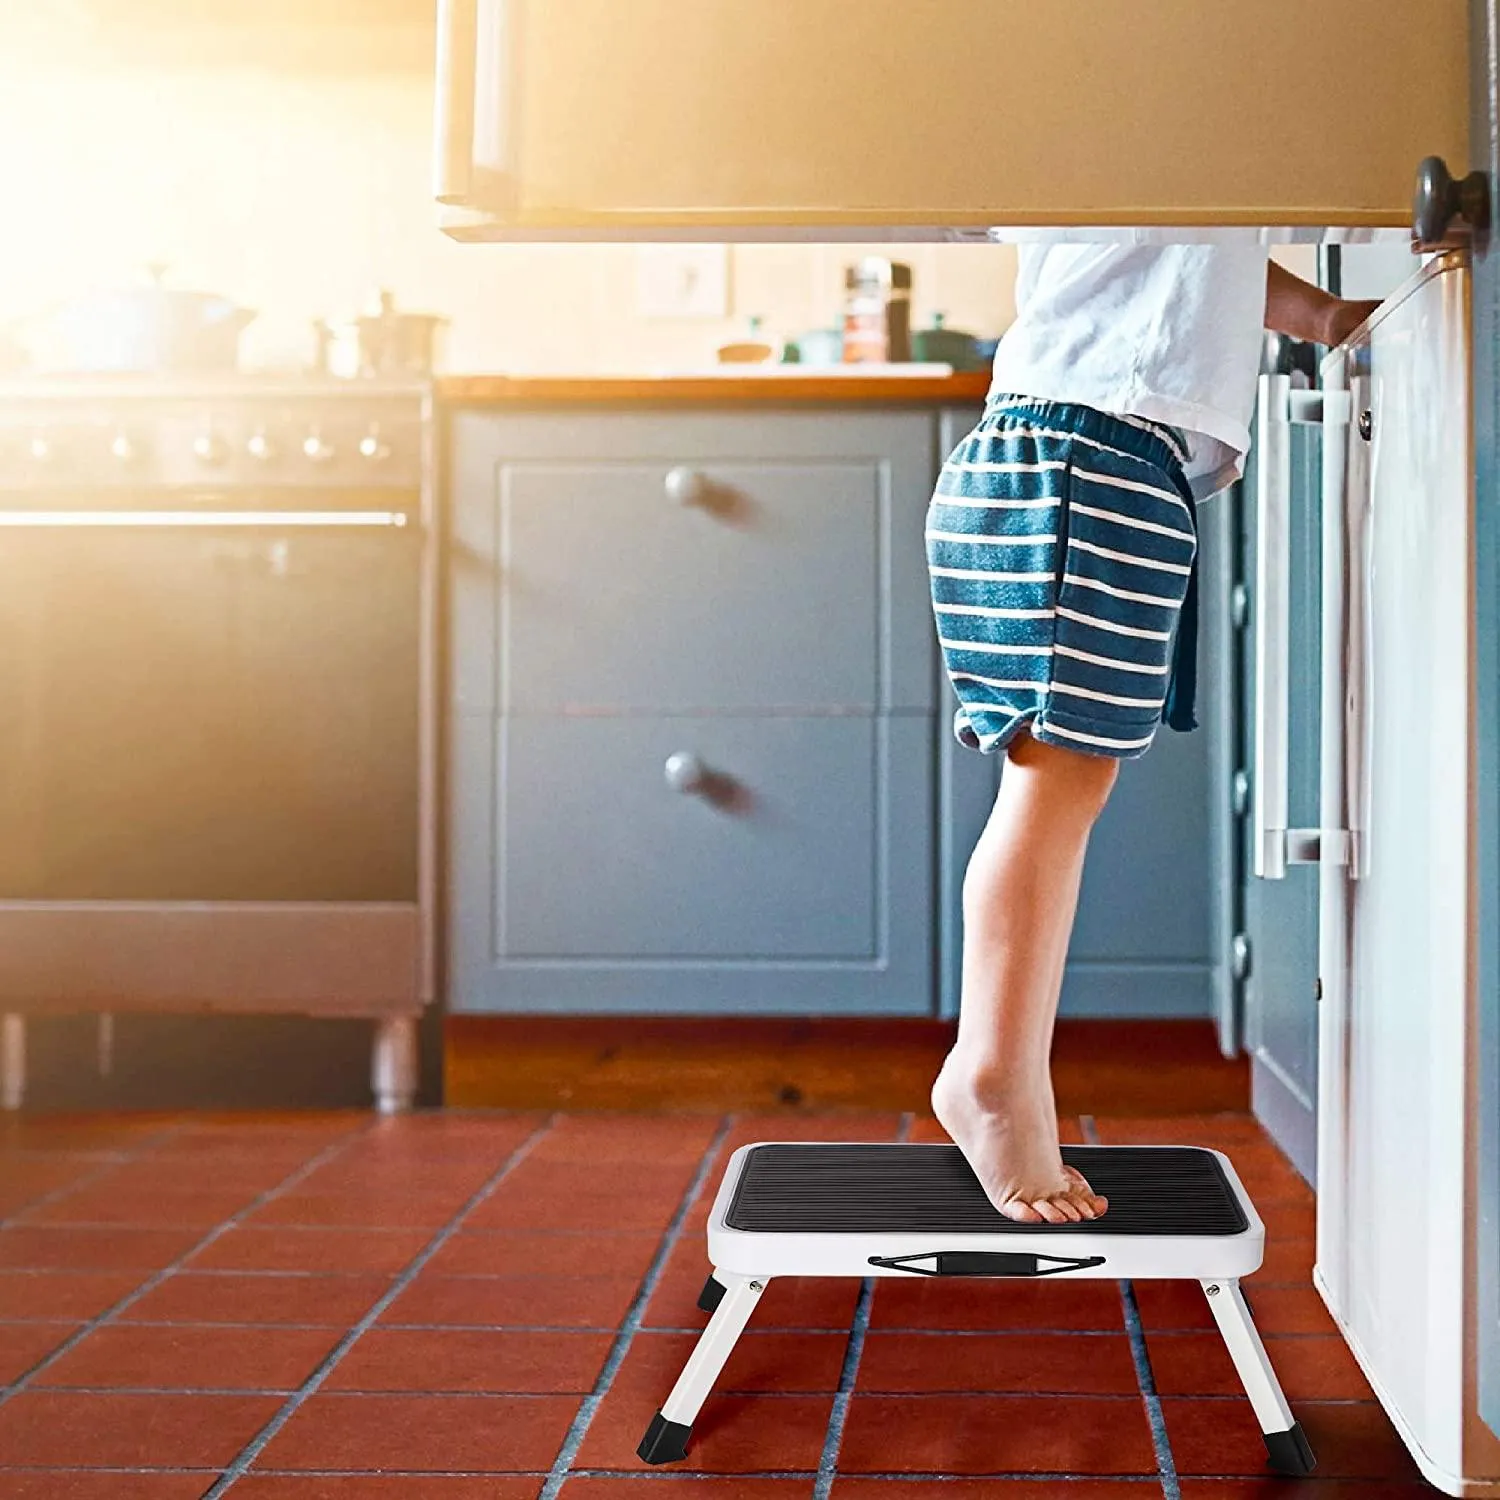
(1289, 1450)
(711, 1295)
(665, 1442)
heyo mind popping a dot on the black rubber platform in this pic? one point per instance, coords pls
(875, 1189)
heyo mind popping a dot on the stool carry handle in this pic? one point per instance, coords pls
(984, 1263)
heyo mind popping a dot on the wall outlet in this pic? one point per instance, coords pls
(682, 281)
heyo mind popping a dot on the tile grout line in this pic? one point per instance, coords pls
(630, 1325)
(1124, 1482)
(252, 1450)
(859, 1328)
(1161, 1443)
(154, 1139)
(598, 1328)
(489, 1393)
(156, 1278)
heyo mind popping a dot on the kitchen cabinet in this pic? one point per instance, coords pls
(700, 742)
(1149, 939)
(693, 702)
(747, 118)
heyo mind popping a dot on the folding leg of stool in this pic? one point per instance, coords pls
(1286, 1443)
(667, 1437)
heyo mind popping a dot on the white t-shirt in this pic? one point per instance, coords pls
(1168, 332)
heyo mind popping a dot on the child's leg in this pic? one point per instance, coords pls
(994, 1094)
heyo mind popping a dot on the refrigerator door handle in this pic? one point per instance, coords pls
(1273, 479)
(1339, 500)
(1346, 483)
(1275, 845)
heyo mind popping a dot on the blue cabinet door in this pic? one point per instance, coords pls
(727, 561)
(586, 875)
(1281, 916)
(690, 725)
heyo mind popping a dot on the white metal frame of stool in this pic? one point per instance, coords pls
(745, 1263)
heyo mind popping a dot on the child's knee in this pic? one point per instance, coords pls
(1077, 780)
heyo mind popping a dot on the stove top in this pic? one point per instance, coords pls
(236, 430)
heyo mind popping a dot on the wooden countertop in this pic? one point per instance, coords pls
(968, 388)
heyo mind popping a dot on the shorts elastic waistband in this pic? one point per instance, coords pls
(1153, 442)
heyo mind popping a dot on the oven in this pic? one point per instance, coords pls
(216, 628)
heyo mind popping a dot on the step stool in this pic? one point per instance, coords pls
(783, 1209)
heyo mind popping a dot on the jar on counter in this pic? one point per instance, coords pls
(877, 312)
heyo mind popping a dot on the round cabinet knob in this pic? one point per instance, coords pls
(1241, 793)
(1239, 956)
(687, 487)
(317, 451)
(260, 448)
(685, 772)
(1239, 605)
(1446, 212)
(122, 449)
(39, 449)
(210, 448)
(373, 447)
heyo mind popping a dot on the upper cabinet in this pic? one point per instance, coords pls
(828, 118)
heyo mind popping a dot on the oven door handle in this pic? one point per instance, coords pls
(168, 520)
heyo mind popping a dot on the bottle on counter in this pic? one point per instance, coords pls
(877, 312)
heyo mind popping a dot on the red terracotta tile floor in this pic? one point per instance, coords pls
(456, 1306)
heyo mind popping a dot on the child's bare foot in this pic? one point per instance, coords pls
(1008, 1135)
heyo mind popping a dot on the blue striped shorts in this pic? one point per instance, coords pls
(1062, 552)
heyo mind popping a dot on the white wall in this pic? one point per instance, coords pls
(299, 195)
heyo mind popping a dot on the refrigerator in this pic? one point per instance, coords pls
(1399, 1065)
(1368, 849)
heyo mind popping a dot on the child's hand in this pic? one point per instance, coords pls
(1305, 311)
(1342, 318)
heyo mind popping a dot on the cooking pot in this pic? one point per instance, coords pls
(947, 346)
(385, 342)
(146, 329)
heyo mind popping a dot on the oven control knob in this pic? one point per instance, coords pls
(317, 451)
(260, 447)
(373, 447)
(210, 448)
(122, 449)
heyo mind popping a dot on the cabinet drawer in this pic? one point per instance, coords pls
(698, 563)
(620, 595)
(581, 881)
(773, 855)
(802, 885)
